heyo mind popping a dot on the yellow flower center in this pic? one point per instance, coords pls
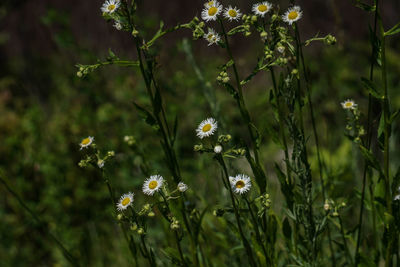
(210, 3)
(206, 128)
(85, 141)
(348, 104)
(293, 15)
(212, 11)
(111, 7)
(232, 13)
(126, 201)
(153, 184)
(262, 8)
(210, 36)
(240, 184)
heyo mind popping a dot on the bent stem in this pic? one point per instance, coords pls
(258, 170)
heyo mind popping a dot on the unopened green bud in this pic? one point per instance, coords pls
(330, 40)
(79, 74)
(225, 80)
(133, 227)
(135, 32)
(140, 231)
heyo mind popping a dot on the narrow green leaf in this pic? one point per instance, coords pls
(394, 30)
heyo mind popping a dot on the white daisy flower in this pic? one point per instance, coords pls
(207, 128)
(117, 25)
(261, 9)
(241, 183)
(86, 142)
(210, 12)
(125, 201)
(218, 149)
(182, 187)
(293, 14)
(396, 198)
(212, 37)
(348, 104)
(110, 6)
(152, 184)
(232, 13)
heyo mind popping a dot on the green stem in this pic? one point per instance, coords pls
(386, 171)
(369, 135)
(281, 127)
(235, 209)
(258, 235)
(245, 113)
(349, 258)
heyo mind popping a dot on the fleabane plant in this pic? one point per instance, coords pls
(308, 226)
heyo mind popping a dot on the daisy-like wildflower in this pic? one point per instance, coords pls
(182, 187)
(86, 142)
(218, 149)
(241, 183)
(348, 104)
(110, 6)
(125, 201)
(211, 11)
(207, 128)
(232, 13)
(397, 198)
(152, 184)
(212, 37)
(262, 8)
(293, 14)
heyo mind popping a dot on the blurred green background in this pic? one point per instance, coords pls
(45, 111)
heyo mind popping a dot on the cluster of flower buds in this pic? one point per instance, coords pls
(330, 40)
(223, 77)
(86, 161)
(84, 70)
(197, 27)
(199, 148)
(331, 208)
(174, 224)
(146, 209)
(130, 140)
(224, 138)
(265, 204)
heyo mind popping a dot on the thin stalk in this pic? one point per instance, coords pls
(243, 109)
(68, 256)
(311, 109)
(235, 209)
(349, 258)
(369, 136)
(281, 126)
(148, 256)
(301, 64)
(258, 235)
(386, 170)
(112, 197)
(178, 242)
